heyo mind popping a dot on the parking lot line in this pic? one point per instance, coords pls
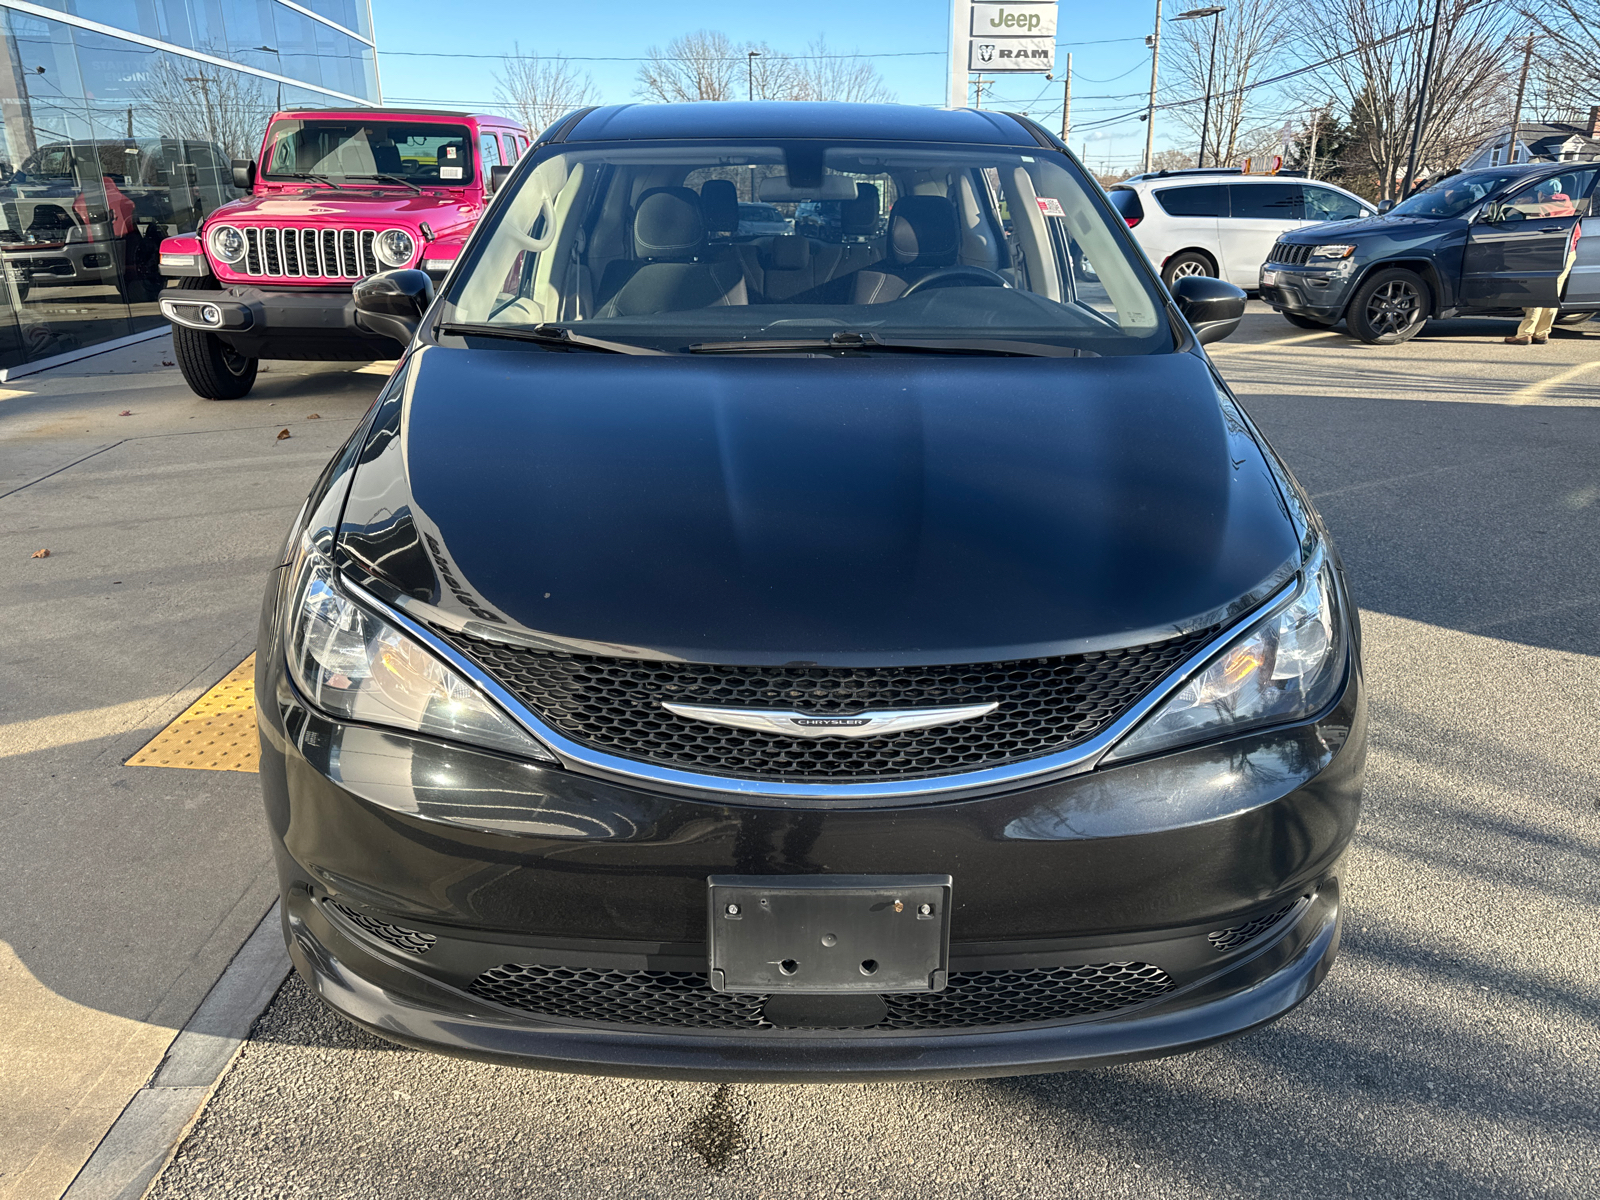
(1288, 341)
(215, 733)
(1534, 392)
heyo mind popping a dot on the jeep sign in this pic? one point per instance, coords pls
(1013, 20)
(1013, 53)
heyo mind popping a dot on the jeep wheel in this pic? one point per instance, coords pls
(1390, 307)
(1300, 322)
(1190, 262)
(211, 368)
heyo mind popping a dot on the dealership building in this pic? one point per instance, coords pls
(120, 118)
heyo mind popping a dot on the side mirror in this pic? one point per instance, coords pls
(1384, 206)
(244, 174)
(392, 303)
(497, 176)
(1212, 307)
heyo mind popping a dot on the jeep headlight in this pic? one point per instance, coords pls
(226, 243)
(395, 247)
(1285, 667)
(1333, 251)
(355, 666)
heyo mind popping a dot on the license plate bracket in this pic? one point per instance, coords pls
(828, 933)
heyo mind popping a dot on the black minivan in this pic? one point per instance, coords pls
(882, 652)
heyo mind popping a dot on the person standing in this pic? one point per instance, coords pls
(1537, 322)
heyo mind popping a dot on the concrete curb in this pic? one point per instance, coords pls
(137, 1146)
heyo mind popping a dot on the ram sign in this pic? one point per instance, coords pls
(1012, 54)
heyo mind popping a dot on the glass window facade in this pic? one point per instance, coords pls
(109, 144)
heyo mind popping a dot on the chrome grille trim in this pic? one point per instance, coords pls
(282, 252)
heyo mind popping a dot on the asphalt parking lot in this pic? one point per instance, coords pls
(1453, 1052)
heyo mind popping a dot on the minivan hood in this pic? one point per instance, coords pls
(784, 510)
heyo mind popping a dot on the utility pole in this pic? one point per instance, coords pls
(1150, 115)
(1422, 101)
(1066, 104)
(1516, 113)
(1311, 158)
(977, 90)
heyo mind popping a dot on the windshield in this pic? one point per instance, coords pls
(1453, 196)
(672, 244)
(420, 154)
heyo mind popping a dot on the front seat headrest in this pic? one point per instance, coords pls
(859, 217)
(719, 206)
(789, 252)
(923, 232)
(667, 225)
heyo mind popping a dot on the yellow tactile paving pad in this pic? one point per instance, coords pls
(215, 733)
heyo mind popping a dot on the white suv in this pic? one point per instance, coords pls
(1221, 222)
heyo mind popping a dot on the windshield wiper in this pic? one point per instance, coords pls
(390, 179)
(544, 335)
(849, 340)
(322, 179)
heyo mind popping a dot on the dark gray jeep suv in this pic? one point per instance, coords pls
(1474, 244)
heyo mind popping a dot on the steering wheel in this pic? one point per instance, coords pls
(962, 276)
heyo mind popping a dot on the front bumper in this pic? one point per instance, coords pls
(75, 263)
(1316, 292)
(298, 323)
(1144, 863)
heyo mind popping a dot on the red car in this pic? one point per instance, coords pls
(336, 195)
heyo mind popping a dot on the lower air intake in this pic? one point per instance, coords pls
(398, 936)
(684, 999)
(1226, 940)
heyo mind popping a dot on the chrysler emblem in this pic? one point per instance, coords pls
(810, 725)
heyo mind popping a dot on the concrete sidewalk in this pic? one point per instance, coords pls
(124, 891)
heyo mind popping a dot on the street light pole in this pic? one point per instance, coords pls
(750, 57)
(1422, 101)
(1195, 14)
(1150, 114)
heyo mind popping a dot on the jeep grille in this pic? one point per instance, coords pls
(1289, 255)
(274, 253)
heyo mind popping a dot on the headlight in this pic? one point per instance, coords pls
(395, 247)
(227, 243)
(1335, 250)
(358, 667)
(1284, 668)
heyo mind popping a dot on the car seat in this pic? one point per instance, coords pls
(924, 236)
(671, 269)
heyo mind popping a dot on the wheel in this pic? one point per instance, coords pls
(1573, 318)
(1300, 322)
(1390, 307)
(1190, 262)
(211, 368)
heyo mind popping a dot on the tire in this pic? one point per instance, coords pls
(1189, 262)
(1391, 306)
(211, 368)
(1574, 318)
(1300, 322)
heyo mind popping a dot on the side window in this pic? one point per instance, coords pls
(508, 143)
(1208, 200)
(1564, 195)
(1325, 204)
(490, 150)
(1266, 201)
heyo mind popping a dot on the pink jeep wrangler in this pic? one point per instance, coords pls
(336, 196)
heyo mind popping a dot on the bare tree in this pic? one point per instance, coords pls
(1252, 37)
(696, 66)
(538, 91)
(824, 75)
(1564, 80)
(1381, 46)
(1171, 160)
(181, 98)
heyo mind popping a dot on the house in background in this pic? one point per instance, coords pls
(1540, 142)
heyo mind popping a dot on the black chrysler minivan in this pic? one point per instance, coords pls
(880, 651)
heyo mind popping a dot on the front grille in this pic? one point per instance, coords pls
(1226, 940)
(399, 936)
(1289, 254)
(614, 704)
(276, 253)
(684, 999)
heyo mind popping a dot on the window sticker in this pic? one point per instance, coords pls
(1051, 207)
(455, 173)
(450, 151)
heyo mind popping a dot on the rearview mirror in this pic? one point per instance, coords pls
(392, 303)
(497, 176)
(1212, 307)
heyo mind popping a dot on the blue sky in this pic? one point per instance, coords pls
(1106, 40)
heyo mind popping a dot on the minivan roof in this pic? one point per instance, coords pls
(799, 119)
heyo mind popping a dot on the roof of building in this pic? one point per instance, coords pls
(784, 119)
(1547, 138)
